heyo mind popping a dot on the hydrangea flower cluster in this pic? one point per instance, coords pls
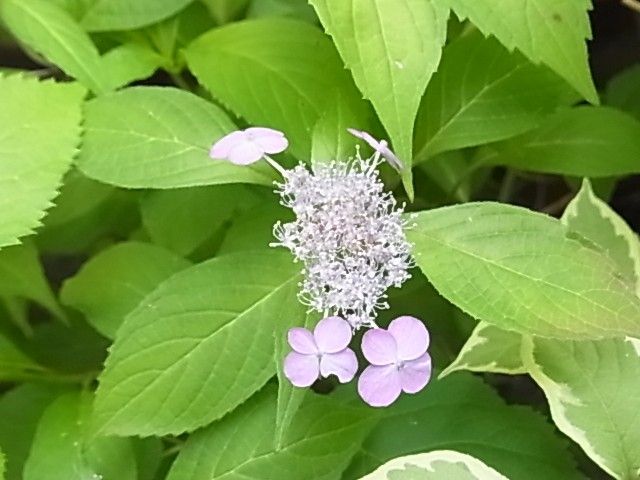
(349, 235)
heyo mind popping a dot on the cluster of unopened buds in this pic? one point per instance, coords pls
(349, 236)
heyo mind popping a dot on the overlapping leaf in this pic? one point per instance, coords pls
(523, 271)
(392, 49)
(592, 386)
(104, 15)
(321, 440)
(552, 32)
(155, 137)
(39, 133)
(62, 449)
(482, 93)
(436, 465)
(274, 72)
(583, 141)
(113, 282)
(198, 346)
(461, 413)
(49, 30)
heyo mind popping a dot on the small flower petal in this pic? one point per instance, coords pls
(222, 147)
(381, 147)
(389, 156)
(332, 334)
(343, 365)
(379, 347)
(268, 139)
(379, 386)
(415, 374)
(245, 153)
(411, 336)
(301, 340)
(301, 370)
(362, 135)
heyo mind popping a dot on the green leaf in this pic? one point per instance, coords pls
(595, 220)
(322, 439)
(15, 365)
(63, 450)
(290, 398)
(623, 91)
(2, 465)
(76, 349)
(20, 411)
(21, 275)
(225, 11)
(462, 413)
(158, 137)
(196, 347)
(552, 32)
(254, 228)
(489, 349)
(299, 9)
(86, 211)
(436, 465)
(330, 138)
(129, 62)
(112, 283)
(40, 125)
(592, 386)
(482, 93)
(183, 219)
(392, 49)
(592, 392)
(582, 141)
(49, 30)
(523, 271)
(105, 15)
(263, 71)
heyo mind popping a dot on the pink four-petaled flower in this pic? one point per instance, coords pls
(399, 361)
(244, 147)
(321, 353)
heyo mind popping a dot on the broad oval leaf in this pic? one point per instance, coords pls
(463, 413)
(113, 282)
(158, 137)
(196, 347)
(482, 93)
(63, 450)
(582, 141)
(392, 49)
(104, 15)
(552, 32)
(523, 271)
(323, 436)
(592, 389)
(264, 71)
(49, 30)
(436, 465)
(39, 134)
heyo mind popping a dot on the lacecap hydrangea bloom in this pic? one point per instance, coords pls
(348, 233)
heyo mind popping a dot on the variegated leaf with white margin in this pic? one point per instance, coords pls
(436, 465)
(593, 388)
(489, 349)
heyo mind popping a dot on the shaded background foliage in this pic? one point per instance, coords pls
(90, 217)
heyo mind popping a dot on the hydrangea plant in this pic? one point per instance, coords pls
(324, 239)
